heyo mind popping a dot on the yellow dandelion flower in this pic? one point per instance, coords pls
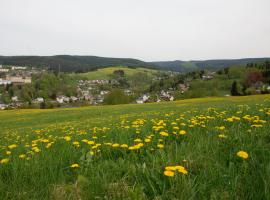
(75, 165)
(12, 146)
(181, 169)
(169, 173)
(242, 154)
(4, 161)
(22, 156)
(163, 133)
(182, 132)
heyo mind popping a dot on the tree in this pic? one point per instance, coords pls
(119, 72)
(234, 89)
(116, 97)
(253, 77)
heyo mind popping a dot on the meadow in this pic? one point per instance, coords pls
(105, 73)
(208, 148)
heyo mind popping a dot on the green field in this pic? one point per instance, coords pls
(105, 73)
(209, 148)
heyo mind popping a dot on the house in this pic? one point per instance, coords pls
(72, 98)
(183, 88)
(104, 92)
(18, 79)
(18, 68)
(127, 92)
(3, 106)
(14, 98)
(140, 100)
(38, 100)
(4, 70)
(62, 99)
(207, 77)
(166, 96)
(143, 99)
(4, 82)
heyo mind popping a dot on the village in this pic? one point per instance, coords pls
(88, 92)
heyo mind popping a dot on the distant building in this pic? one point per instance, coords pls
(143, 99)
(3, 106)
(4, 82)
(19, 79)
(38, 100)
(14, 98)
(3, 70)
(18, 68)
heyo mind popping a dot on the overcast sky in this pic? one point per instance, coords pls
(150, 30)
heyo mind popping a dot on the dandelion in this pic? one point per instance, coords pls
(22, 156)
(4, 161)
(12, 146)
(160, 146)
(124, 146)
(75, 165)
(169, 173)
(147, 140)
(116, 145)
(182, 132)
(181, 169)
(67, 138)
(242, 154)
(163, 133)
(222, 136)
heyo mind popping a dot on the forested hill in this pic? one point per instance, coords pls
(187, 66)
(69, 63)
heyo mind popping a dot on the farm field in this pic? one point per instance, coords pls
(208, 148)
(105, 73)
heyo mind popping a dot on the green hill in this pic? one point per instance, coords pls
(105, 73)
(68, 63)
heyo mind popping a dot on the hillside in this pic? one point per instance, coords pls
(188, 66)
(105, 73)
(68, 63)
(190, 149)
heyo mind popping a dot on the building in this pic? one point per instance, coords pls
(19, 79)
(4, 82)
(3, 70)
(3, 106)
(18, 68)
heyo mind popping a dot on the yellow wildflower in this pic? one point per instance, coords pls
(169, 173)
(242, 154)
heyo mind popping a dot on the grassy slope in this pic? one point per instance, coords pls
(114, 173)
(105, 72)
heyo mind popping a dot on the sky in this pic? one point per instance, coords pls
(151, 30)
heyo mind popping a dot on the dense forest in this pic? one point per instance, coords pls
(68, 63)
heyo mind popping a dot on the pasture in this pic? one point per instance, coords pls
(209, 148)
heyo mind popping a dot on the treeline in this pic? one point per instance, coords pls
(189, 66)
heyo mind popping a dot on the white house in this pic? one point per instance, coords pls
(74, 98)
(142, 99)
(60, 99)
(14, 98)
(3, 106)
(39, 100)
(103, 92)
